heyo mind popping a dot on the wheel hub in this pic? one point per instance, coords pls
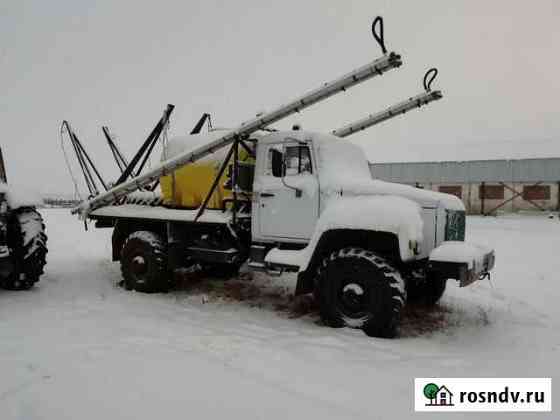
(353, 299)
(139, 266)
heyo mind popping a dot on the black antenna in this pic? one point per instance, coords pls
(429, 78)
(378, 33)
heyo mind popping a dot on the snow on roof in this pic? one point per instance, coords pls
(177, 145)
(281, 136)
(378, 152)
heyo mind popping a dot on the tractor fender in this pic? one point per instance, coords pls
(389, 226)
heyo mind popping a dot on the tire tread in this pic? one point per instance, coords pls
(394, 281)
(30, 252)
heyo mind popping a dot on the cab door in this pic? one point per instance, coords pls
(288, 201)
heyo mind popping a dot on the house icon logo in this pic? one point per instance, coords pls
(438, 396)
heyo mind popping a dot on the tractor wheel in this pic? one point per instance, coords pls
(425, 290)
(28, 243)
(144, 263)
(358, 289)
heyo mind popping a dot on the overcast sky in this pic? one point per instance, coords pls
(120, 62)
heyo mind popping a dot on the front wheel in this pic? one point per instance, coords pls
(359, 289)
(144, 263)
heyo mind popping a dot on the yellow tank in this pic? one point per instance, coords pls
(187, 186)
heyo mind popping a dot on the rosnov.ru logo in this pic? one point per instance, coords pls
(438, 396)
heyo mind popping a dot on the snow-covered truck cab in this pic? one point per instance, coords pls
(315, 203)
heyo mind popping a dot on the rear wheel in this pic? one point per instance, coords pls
(27, 241)
(359, 289)
(144, 263)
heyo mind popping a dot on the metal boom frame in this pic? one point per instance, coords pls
(400, 108)
(86, 164)
(375, 68)
(121, 161)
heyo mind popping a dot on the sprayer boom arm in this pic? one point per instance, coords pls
(377, 67)
(391, 112)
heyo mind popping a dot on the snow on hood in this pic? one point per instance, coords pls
(393, 214)
(20, 196)
(344, 168)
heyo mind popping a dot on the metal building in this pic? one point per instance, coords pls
(485, 186)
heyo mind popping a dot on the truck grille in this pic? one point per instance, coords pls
(455, 225)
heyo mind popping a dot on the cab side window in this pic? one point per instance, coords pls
(288, 161)
(297, 160)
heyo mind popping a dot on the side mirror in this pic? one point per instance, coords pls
(277, 164)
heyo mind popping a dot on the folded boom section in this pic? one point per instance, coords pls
(375, 68)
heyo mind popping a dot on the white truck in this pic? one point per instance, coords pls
(306, 203)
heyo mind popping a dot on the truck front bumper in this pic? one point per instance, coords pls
(462, 261)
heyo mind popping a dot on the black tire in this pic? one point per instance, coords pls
(144, 263)
(358, 289)
(425, 290)
(27, 241)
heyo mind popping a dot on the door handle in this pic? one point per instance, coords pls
(267, 194)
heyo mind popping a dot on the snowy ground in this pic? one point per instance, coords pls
(79, 347)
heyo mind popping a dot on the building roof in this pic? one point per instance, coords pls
(424, 151)
(520, 170)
